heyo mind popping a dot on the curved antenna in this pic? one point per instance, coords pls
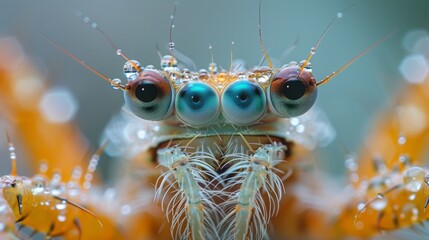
(355, 58)
(114, 82)
(231, 57)
(171, 43)
(95, 26)
(270, 64)
(12, 155)
(212, 64)
(321, 37)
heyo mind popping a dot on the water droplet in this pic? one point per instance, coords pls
(61, 206)
(58, 189)
(168, 61)
(43, 167)
(38, 184)
(203, 75)
(213, 68)
(141, 134)
(378, 204)
(73, 189)
(61, 218)
(125, 210)
(116, 83)
(171, 45)
(350, 163)
(339, 15)
(300, 128)
(413, 178)
(360, 206)
(130, 70)
(404, 159)
(307, 67)
(402, 139)
(86, 19)
(294, 121)
(94, 25)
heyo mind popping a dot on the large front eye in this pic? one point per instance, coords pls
(197, 104)
(291, 95)
(243, 102)
(149, 96)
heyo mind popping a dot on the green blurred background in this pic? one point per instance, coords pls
(351, 100)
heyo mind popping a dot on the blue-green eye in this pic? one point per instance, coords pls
(197, 104)
(291, 95)
(243, 102)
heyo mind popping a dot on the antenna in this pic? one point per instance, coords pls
(355, 58)
(231, 57)
(95, 26)
(322, 36)
(270, 64)
(171, 43)
(116, 83)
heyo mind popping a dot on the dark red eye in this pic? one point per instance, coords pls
(292, 95)
(150, 95)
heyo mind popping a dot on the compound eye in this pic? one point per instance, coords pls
(243, 102)
(197, 104)
(292, 95)
(150, 96)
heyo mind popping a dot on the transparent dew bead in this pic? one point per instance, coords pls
(58, 189)
(213, 68)
(402, 139)
(375, 188)
(73, 189)
(378, 204)
(414, 178)
(61, 218)
(168, 61)
(116, 83)
(176, 78)
(203, 74)
(409, 213)
(130, 70)
(308, 66)
(186, 75)
(38, 184)
(61, 205)
(350, 163)
(404, 160)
